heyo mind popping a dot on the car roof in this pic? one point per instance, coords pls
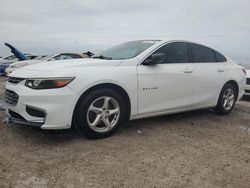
(165, 40)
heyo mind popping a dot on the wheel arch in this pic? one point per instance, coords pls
(112, 86)
(235, 84)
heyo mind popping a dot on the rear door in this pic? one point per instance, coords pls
(210, 74)
(168, 85)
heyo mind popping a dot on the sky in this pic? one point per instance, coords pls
(54, 26)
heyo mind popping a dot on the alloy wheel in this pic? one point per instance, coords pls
(228, 99)
(103, 114)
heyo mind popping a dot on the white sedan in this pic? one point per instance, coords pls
(133, 80)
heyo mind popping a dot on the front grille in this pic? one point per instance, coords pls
(11, 98)
(248, 81)
(15, 80)
(247, 91)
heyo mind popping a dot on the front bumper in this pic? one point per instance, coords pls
(22, 122)
(56, 104)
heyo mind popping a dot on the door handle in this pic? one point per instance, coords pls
(188, 71)
(220, 70)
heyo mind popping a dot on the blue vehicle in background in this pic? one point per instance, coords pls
(3, 67)
(18, 56)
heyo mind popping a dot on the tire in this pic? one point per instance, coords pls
(96, 119)
(228, 93)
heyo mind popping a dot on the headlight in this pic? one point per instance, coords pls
(47, 83)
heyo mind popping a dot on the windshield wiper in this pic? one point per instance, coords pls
(101, 57)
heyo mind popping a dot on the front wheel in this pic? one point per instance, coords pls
(100, 113)
(227, 99)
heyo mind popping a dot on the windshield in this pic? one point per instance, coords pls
(127, 50)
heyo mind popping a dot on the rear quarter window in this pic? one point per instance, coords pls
(220, 57)
(201, 54)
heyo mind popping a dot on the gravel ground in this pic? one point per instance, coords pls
(194, 149)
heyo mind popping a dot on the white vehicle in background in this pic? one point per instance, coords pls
(11, 58)
(62, 56)
(134, 80)
(6, 62)
(247, 88)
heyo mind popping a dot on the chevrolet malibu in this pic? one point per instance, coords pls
(130, 81)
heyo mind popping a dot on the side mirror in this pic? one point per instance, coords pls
(155, 59)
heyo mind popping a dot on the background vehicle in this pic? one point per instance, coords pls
(17, 56)
(8, 58)
(88, 53)
(4, 64)
(62, 56)
(3, 68)
(134, 80)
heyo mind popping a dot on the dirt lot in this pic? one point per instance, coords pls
(194, 149)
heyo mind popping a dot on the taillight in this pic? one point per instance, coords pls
(244, 71)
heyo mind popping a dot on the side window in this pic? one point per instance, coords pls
(201, 54)
(175, 52)
(220, 57)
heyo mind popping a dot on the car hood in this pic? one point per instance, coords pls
(62, 67)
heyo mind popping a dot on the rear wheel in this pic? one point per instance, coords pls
(100, 113)
(226, 100)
